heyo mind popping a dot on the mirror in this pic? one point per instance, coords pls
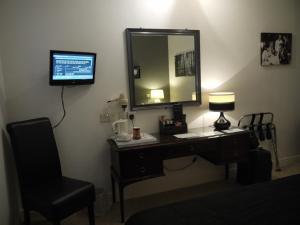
(163, 67)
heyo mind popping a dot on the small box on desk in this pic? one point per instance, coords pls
(172, 128)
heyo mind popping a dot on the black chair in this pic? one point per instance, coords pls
(43, 188)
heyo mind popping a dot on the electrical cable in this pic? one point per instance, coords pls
(182, 168)
(63, 107)
(132, 123)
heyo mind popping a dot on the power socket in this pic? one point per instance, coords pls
(105, 117)
(131, 117)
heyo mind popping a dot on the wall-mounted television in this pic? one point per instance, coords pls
(72, 68)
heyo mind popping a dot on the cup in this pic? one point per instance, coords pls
(136, 133)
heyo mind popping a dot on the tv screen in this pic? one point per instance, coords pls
(72, 68)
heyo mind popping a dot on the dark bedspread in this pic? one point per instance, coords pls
(272, 203)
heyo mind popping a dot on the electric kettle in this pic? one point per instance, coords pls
(120, 128)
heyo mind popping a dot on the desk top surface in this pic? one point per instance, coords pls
(167, 140)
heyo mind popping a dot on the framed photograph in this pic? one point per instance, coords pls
(185, 64)
(275, 48)
(136, 72)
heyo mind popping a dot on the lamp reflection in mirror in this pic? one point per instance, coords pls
(194, 96)
(157, 95)
(221, 102)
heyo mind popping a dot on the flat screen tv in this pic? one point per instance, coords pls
(72, 68)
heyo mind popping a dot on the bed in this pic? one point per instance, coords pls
(270, 203)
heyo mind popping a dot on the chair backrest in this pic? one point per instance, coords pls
(35, 151)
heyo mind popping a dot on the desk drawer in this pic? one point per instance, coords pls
(139, 163)
(226, 149)
(178, 151)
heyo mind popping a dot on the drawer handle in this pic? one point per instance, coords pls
(142, 169)
(141, 155)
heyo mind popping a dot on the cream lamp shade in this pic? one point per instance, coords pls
(221, 101)
(157, 94)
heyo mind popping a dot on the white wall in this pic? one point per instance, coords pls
(4, 204)
(9, 195)
(230, 33)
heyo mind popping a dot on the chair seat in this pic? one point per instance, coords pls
(59, 198)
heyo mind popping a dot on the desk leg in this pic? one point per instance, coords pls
(121, 198)
(227, 171)
(26, 217)
(113, 188)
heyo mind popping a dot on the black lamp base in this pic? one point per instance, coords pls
(222, 123)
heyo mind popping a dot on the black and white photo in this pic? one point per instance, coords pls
(275, 48)
(185, 64)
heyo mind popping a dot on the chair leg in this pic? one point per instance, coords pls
(26, 217)
(91, 214)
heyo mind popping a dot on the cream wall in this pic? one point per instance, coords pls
(230, 33)
(4, 204)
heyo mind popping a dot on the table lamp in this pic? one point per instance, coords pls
(157, 95)
(221, 102)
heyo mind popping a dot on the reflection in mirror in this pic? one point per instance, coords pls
(163, 67)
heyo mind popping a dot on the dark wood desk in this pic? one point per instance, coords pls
(137, 163)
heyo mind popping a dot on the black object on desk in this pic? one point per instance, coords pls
(172, 128)
(177, 112)
(177, 125)
(137, 163)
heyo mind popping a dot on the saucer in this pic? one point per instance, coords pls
(123, 138)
